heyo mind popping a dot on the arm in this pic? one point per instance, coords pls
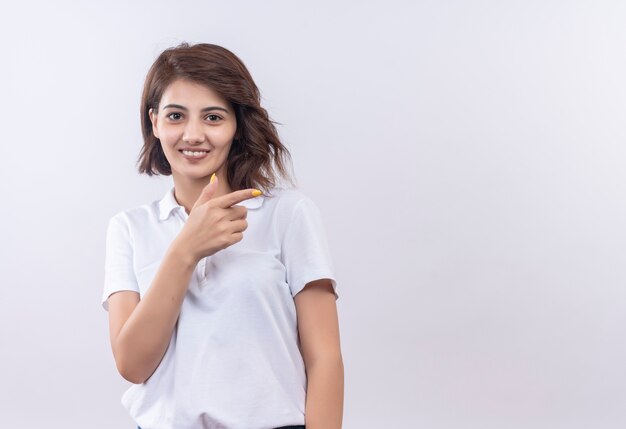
(318, 328)
(140, 330)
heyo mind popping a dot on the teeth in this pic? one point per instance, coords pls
(190, 153)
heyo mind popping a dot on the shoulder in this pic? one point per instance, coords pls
(287, 197)
(284, 201)
(140, 216)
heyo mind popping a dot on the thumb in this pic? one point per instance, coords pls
(208, 192)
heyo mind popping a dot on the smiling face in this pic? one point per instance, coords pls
(194, 116)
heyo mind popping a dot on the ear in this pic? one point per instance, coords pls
(153, 119)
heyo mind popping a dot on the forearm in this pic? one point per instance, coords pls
(144, 338)
(324, 396)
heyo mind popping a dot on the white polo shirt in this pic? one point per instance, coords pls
(233, 360)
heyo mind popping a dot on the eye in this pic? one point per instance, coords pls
(175, 116)
(213, 118)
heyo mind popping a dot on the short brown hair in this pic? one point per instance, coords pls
(257, 155)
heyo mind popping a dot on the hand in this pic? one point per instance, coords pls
(213, 223)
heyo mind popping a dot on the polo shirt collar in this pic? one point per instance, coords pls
(168, 203)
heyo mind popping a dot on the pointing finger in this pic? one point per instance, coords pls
(236, 197)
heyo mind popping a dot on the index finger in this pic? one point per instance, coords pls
(235, 197)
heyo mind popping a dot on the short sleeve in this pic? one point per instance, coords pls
(118, 266)
(305, 250)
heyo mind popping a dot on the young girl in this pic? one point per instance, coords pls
(221, 295)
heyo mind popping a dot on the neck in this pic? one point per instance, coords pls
(187, 190)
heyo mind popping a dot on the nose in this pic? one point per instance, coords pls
(193, 131)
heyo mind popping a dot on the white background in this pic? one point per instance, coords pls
(468, 159)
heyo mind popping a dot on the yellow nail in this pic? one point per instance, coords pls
(256, 193)
(212, 178)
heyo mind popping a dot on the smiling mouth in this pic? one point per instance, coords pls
(194, 154)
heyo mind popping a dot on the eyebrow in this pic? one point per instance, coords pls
(206, 109)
